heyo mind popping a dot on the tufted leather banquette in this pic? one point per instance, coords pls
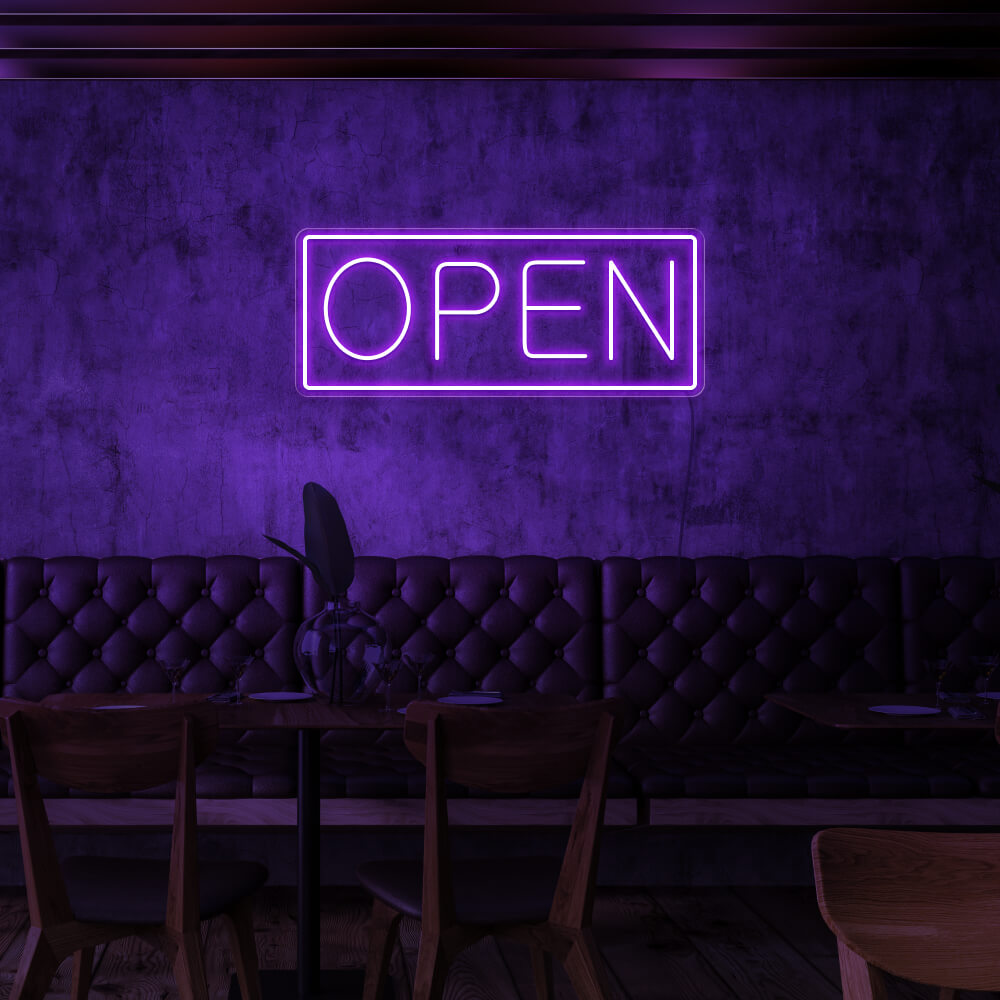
(692, 645)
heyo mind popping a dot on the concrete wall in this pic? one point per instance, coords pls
(147, 297)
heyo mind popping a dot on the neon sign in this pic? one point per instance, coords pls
(520, 314)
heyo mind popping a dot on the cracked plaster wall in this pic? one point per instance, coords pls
(147, 296)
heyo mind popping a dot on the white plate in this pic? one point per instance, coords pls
(280, 696)
(904, 710)
(102, 708)
(470, 699)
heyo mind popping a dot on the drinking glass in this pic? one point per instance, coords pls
(386, 666)
(956, 686)
(418, 664)
(238, 666)
(175, 669)
(987, 677)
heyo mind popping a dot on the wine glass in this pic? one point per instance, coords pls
(386, 666)
(984, 666)
(238, 667)
(175, 669)
(418, 664)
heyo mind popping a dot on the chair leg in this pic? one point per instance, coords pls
(541, 966)
(585, 967)
(83, 969)
(189, 966)
(239, 925)
(859, 980)
(432, 966)
(37, 967)
(382, 938)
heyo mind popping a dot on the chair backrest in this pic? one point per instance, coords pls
(509, 750)
(114, 750)
(505, 749)
(922, 905)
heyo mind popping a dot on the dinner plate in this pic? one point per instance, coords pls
(470, 699)
(280, 696)
(102, 708)
(904, 710)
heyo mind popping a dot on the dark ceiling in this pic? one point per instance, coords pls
(581, 40)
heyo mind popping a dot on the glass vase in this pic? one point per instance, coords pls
(338, 652)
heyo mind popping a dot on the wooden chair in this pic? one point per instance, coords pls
(83, 902)
(545, 903)
(923, 906)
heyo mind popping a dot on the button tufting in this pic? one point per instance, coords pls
(777, 623)
(669, 622)
(668, 683)
(42, 653)
(396, 654)
(503, 591)
(558, 653)
(396, 591)
(204, 591)
(752, 653)
(232, 621)
(857, 591)
(96, 654)
(124, 621)
(177, 621)
(531, 621)
(97, 591)
(423, 621)
(450, 653)
(939, 592)
(504, 653)
(696, 652)
(752, 713)
(557, 592)
(69, 621)
(475, 621)
(695, 591)
(151, 592)
(204, 653)
(641, 592)
(44, 592)
(803, 592)
(258, 653)
(697, 713)
(642, 654)
(123, 685)
(151, 653)
(449, 592)
(258, 592)
(643, 713)
(69, 684)
(748, 592)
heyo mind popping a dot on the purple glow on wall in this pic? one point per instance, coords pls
(516, 345)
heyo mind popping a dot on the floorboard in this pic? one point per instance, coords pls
(751, 943)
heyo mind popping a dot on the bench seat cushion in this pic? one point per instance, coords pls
(855, 771)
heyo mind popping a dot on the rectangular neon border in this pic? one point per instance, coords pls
(692, 236)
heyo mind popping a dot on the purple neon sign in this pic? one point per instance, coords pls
(476, 313)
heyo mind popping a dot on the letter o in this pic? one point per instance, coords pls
(326, 309)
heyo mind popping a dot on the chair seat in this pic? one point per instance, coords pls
(134, 891)
(493, 891)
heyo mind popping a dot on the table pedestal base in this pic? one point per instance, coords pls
(334, 984)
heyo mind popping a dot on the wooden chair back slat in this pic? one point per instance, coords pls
(115, 750)
(923, 906)
(508, 751)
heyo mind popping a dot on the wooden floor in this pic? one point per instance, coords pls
(660, 944)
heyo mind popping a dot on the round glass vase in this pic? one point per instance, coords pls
(338, 652)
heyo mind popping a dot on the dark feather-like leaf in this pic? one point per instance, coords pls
(991, 483)
(328, 544)
(307, 562)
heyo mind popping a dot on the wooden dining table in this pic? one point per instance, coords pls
(854, 711)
